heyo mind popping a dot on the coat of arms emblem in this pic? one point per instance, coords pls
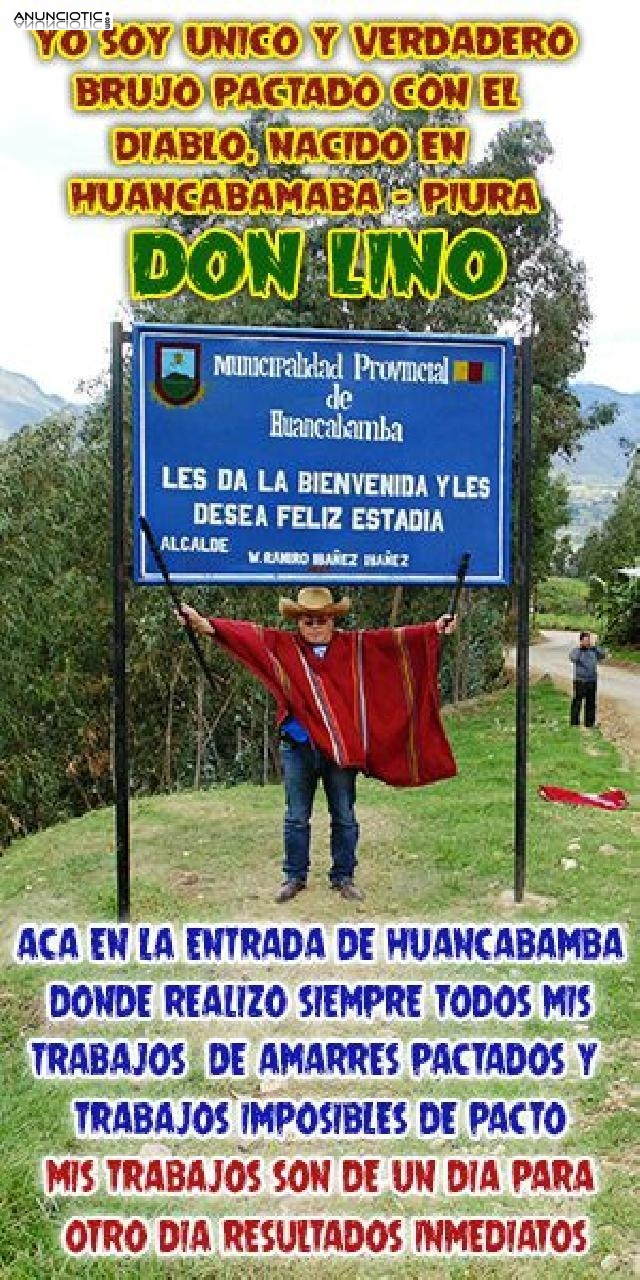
(177, 372)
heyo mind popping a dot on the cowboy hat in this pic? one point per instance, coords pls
(313, 600)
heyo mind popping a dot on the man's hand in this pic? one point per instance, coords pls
(446, 624)
(196, 621)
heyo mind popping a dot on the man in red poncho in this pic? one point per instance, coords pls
(346, 701)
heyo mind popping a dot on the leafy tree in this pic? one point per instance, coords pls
(562, 560)
(54, 680)
(617, 604)
(617, 544)
(545, 292)
(607, 551)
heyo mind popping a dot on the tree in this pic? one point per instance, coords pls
(54, 669)
(617, 544)
(545, 292)
(562, 560)
(617, 603)
(608, 551)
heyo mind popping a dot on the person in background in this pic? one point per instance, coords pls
(585, 659)
(347, 701)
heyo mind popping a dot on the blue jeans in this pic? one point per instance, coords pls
(302, 766)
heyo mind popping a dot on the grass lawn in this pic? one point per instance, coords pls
(561, 605)
(626, 655)
(434, 854)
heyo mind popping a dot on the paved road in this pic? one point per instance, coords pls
(618, 688)
(618, 683)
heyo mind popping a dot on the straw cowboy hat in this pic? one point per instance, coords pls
(314, 600)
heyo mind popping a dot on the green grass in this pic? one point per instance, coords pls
(566, 622)
(627, 654)
(561, 605)
(439, 853)
(562, 593)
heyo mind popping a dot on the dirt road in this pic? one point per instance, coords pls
(618, 688)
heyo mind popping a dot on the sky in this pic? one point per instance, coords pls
(64, 279)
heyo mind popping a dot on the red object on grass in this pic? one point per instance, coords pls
(612, 798)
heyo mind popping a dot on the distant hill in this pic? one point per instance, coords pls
(22, 402)
(601, 460)
(595, 475)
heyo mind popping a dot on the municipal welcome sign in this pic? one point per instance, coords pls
(273, 455)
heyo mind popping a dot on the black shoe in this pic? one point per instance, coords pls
(347, 890)
(290, 889)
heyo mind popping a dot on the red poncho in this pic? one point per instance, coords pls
(371, 703)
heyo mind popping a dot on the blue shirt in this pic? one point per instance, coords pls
(586, 663)
(292, 727)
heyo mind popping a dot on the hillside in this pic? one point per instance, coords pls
(22, 402)
(597, 472)
(601, 460)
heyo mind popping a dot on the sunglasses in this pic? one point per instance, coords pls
(317, 620)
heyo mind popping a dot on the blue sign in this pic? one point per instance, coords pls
(271, 455)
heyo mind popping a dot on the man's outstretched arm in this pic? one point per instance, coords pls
(446, 624)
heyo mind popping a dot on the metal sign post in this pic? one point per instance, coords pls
(119, 569)
(524, 593)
